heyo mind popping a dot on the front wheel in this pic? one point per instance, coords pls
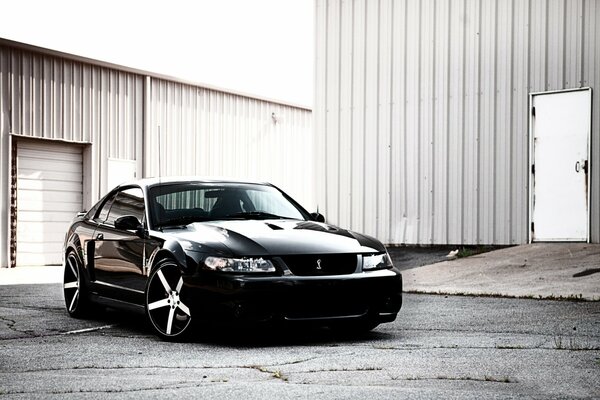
(169, 316)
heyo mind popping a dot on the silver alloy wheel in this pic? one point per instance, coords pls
(72, 284)
(165, 308)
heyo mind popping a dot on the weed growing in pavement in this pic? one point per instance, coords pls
(277, 374)
(468, 251)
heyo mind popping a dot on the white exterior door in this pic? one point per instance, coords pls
(560, 133)
(49, 195)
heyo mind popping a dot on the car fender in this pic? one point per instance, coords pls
(172, 249)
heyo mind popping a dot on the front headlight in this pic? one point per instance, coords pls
(238, 264)
(377, 261)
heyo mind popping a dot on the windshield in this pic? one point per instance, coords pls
(184, 203)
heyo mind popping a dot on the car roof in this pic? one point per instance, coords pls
(148, 182)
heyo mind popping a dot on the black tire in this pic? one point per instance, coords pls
(169, 317)
(74, 288)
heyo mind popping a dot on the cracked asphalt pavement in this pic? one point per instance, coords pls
(439, 347)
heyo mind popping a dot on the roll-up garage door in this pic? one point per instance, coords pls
(49, 194)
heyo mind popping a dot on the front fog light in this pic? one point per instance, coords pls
(377, 261)
(238, 264)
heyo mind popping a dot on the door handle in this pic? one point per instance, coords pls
(581, 166)
(100, 236)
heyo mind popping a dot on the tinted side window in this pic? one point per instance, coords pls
(103, 213)
(127, 202)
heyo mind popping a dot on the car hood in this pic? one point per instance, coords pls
(273, 237)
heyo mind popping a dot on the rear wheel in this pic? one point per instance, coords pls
(74, 289)
(169, 315)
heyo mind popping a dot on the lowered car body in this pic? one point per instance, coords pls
(202, 251)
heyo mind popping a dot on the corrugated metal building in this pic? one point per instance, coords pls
(72, 128)
(424, 115)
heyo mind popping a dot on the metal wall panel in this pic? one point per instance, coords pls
(60, 99)
(118, 113)
(421, 112)
(195, 131)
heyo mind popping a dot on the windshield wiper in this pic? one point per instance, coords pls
(255, 215)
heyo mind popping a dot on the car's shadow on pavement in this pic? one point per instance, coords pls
(277, 336)
(243, 335)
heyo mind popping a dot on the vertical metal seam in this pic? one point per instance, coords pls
(511, 156)
(61, 102)
(546, 45)
(30, 94)
(433, 131)
(478, 132)
(143, 136)
(351, 115)
(377, 116)
(182, 111)
(81, 134)
(391, 128)
(21, 78)
(494, 172)
(11, 90)
(420, 63)
(528, 157)
(325, 95)
(564, 55)
(339, 114)
(70, 91)
(364, 180)
(581, 39)
(463, 121)
(448, 132)
(52, 106)
(42, 96)
(404, 128)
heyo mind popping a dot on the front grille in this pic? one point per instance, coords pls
(316, 265)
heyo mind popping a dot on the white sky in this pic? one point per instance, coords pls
(260, 47)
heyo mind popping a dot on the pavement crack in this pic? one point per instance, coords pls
(30, 335)
(586, 272)
(485, 378)
(359, 369)
(266, 369)
(86, 330)
(179, 385)
(294, 362)
(10, 324)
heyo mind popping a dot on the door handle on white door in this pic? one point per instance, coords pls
(581, 165)
(100, 236)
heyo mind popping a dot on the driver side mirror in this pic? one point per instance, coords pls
(317, 217)
(130, 223)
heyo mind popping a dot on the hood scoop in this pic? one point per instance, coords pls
(273, 226)
(313, 226)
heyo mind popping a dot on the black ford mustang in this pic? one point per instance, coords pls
(223, 251)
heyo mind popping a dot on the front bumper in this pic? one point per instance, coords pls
(374, 296)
